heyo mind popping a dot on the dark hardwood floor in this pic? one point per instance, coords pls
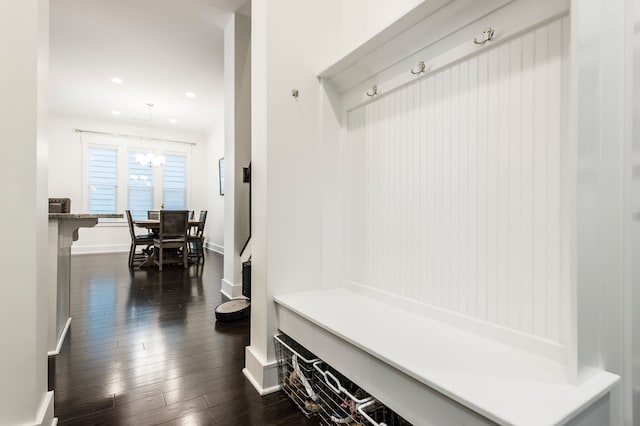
(144, 348)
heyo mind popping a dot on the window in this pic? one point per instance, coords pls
(174, 182)
(103, 179)
(110, 165)
(140, 186)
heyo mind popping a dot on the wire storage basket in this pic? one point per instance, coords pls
(339, 397)
(374, 413)
(295, 373)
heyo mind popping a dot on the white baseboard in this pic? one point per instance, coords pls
(262, 375)
(214, 247)
(107, 248)
(230, 290)
(45, 412)
(56, 351)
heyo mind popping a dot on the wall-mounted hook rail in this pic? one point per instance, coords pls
(487, 35)
(421, 68)
(374, 91)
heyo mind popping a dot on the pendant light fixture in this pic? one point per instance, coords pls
(149, 159)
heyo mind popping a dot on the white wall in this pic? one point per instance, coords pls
(24, 54)
(362, 19)
(632, 363)
(291, 42)
(65, 177)
(237, 147)
(214, 151)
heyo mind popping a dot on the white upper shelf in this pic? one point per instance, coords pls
(422, 26)
(436, 33)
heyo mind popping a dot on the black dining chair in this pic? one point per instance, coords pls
(153, 214)
(145, 240)
(196, 240)
(171, 244)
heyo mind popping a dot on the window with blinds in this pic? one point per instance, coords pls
(103, 179)
(114, 182)
(140, 187)
(174, 182)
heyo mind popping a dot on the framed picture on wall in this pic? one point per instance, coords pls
(221, 174)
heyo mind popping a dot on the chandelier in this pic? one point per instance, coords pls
(149, 159)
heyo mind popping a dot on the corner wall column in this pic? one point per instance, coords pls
(24, 54)
(290, 43)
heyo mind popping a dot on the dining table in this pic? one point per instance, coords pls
(153, 225)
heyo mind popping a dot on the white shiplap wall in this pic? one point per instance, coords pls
(455, 186)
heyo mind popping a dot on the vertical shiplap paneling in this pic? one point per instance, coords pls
(455, 186)
(446, 193)
(462, 267)
(515, 183)
(472, 216)
(492, 184)
(376, 175)
(553, 162)
(382, 141)
(503, 279)
(482, 220)
(423, 161)
(370, 122)
(454, 233)
(354, 209)
(540, 237)
(566, 318)
(371, 159)
(372, 238)
(402, 208)
(415, 140)
(430, 258)
(526, 183)
(436, 208)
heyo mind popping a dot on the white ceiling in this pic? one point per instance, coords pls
(159, 48)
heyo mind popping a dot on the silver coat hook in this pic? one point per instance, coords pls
(487, 35)
(374, 91)
(421, 68)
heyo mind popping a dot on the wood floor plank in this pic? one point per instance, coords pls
(144, 349)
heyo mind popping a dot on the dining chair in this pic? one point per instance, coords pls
(172, 235)
(137, 240)
(196, 240)
(153, 214)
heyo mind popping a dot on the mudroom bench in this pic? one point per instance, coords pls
(435, 373)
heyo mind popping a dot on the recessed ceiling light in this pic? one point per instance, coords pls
(115, 112)
(116, 80)
(173, 120)
(190, 95)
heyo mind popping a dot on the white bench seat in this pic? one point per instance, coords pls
(395, 354)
